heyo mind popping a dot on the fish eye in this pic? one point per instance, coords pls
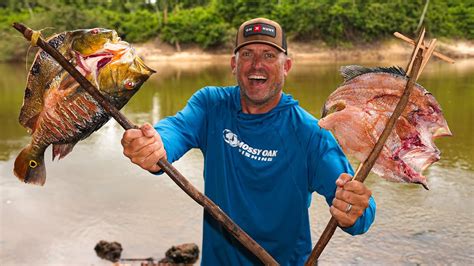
(129, 84)
(33, 163)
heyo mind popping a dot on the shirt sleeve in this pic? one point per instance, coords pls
(183, 131)
(327, 162)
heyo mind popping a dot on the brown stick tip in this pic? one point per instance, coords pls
(23, 29)
(19, 26)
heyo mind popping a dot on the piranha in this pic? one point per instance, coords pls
(57, 110)
(357, 111)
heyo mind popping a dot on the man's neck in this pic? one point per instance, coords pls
(249, 107)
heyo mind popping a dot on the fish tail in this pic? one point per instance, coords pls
(29, 166)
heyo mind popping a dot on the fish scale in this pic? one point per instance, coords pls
(57, 111)
(69, 113)
(59, 126)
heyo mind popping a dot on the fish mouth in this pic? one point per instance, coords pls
(93, 63)
(103, 59)
(111, 52)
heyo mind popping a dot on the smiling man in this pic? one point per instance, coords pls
(263, 156)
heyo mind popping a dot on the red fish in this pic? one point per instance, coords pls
(358, 110)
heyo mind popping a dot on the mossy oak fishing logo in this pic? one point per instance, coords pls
(247, 151)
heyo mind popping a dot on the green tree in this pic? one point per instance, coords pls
(196, 25)
(211, 23)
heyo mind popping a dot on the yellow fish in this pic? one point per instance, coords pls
(56, 110)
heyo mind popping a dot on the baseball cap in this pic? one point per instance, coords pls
(261, 30)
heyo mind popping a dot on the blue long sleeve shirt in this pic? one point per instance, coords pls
(261, 170)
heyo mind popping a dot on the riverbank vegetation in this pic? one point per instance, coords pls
(212, 23)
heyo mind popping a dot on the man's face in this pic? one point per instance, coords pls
(260, 70)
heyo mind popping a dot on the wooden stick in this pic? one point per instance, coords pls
(172, 172)
(418, 46)
(427, 55)
(412, 42)
(367, 165)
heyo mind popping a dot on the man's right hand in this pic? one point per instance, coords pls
(143, 147)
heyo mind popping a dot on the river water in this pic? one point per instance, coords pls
(95, 193)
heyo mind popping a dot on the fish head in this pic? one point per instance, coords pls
(89, 41)
(123, 76)
(428, 115)
(109, 63)
(417, 131)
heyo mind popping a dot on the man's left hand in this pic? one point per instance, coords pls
(352, 198)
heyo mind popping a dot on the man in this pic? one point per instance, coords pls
(263, 156)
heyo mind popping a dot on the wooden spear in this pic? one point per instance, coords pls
(412, 42)
(366, 166)
(172, 172)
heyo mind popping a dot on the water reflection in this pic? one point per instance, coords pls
(95, 193)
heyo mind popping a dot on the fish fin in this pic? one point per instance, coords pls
(62, 150)
(43, 70)
(30, 123)
(352, 71)
(32, 106)
(29, 166)
(425, 185)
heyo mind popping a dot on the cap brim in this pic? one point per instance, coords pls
(258, 41)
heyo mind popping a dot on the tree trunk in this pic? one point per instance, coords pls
(178, 47)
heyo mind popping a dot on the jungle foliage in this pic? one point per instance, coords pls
(211, 23)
